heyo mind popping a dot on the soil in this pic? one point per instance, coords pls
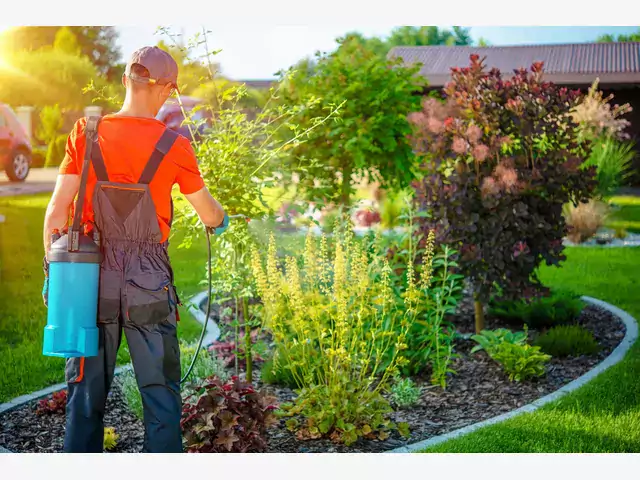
(478, 391)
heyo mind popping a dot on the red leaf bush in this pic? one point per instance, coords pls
(500, 159)
(54, 404)
(227, 417)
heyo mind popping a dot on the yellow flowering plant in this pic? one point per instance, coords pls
(334, 321)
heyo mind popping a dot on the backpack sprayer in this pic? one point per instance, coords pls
(74, 274)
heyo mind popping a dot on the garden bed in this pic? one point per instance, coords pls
(480, 390)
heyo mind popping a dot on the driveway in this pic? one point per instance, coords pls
(39, 180)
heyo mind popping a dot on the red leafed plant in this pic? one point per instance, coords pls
(227, 417)
(367, 217)
(500, 158)
(56, 403)
(227, 351)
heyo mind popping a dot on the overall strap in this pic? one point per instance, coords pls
(91, 133)
(97, 161)
(163, 146)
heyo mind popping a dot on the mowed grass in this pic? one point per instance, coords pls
(628, 217)
(23, 315)
(602, 416)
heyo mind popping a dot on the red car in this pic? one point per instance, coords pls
(15, 147)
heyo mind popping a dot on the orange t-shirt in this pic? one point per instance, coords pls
(127, 144)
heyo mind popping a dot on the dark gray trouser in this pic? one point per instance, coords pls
(153, 345)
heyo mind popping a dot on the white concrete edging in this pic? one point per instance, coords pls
(213, 333)
(616, 356)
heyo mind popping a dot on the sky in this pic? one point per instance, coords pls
(258, 51)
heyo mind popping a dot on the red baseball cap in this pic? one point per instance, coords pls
(162, 68)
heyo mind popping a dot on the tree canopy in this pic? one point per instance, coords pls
(369, 139)
(97, 43)
(633, 37)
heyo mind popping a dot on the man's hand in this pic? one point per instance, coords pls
(57, 215)
(220, 229)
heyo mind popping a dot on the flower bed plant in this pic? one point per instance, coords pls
(500, 159)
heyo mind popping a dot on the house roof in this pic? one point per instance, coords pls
(569, 64)
(258, 84)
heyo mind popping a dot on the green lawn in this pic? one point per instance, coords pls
(604, 415)
(22, 313)
(629, 215)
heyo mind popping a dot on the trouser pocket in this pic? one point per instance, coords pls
(148, 298)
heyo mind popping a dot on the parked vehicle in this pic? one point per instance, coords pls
(15, 147)
(171, 115)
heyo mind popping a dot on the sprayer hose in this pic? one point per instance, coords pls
(206, 319)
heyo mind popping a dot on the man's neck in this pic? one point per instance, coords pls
(130, 110)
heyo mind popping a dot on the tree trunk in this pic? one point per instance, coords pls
(479, 314)
(248, 356)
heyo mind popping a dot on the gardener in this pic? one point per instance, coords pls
(135, 162)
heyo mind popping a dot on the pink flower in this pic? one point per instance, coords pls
(520, 248)
(434, 125)
(474, 134)
(480, 152)
(489, 187)
(459, 146)
(508, 177)
(417, 118)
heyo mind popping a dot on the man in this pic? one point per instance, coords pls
(135, 161)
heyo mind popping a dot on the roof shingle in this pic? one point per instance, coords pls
(564, 64)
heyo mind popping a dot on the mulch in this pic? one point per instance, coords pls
(478, 391)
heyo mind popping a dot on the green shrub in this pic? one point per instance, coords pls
(38, 156)
(392, 208)
(520, 362)
(274, 373)
(129, 387)
(613, 160)
(490, 340)
(544, 312)
(206, 365)
(569, 340)
(405, 393)
(56, 151)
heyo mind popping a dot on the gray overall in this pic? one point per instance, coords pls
(137, 295)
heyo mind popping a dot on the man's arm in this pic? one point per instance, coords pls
(208, 209)
(57, 214)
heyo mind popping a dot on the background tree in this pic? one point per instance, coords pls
(633, 37)
(99, 44)
(67, 42)
(369, 141)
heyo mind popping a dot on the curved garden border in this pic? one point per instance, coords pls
(616, 356)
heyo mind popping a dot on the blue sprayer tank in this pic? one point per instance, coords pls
(74, 274)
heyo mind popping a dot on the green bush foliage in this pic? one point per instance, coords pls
(369, 141)
(405, 393)
(490, 340)
(520, 361)
(567, 341)
(47, 77)
(544, 312)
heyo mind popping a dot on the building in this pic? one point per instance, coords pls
(617, 65)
